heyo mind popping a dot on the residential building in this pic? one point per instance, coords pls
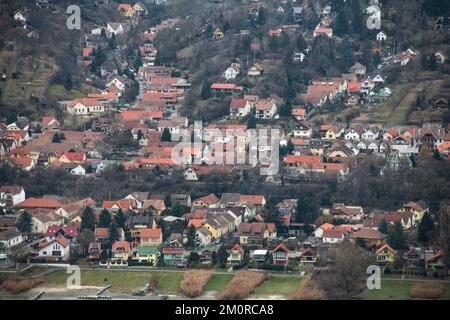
(57, 249)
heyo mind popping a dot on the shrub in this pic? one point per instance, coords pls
(17, 285)
(425, 290)
(308, 290)
(194, 282)
(242, 285)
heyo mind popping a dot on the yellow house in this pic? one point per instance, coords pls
(120, 251)
(214, 228)
(126, 10)
(330, 135)
(416, 209)
(146, 254)
(218, 34)
(385, 255)
(150, 237)
(77, 219)
(139, 8)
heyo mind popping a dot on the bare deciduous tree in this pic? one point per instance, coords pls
(346, 277)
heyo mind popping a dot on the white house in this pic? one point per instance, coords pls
(403, 145)
(352, 135)
(204, 236)
(265, 109)
(78, 171)
(57, 249)
(255, 70)
(116, 28)
(20, 16)
(372, 146)
(358, 69)
(85, 106)
(299, 56)
(302, 130)
(231, 72)
(332, 236)
(381, 36)
(369, 134)
(440, 56)
(239, 108)
(190, 175)
(118, 82)
(318, 233)
(11, 194)
(10, 237)
(15, 127)
(378, 79)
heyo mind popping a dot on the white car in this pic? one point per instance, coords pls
(3, 256)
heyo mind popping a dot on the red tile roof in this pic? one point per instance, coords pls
(68, 230)
(237, 247)
(333, 234)
(21, 162)
(290, 159)
(150, 233)
(226, 86)
(120, 246)
(74, 156)
(172, 250)
(354, 87)
(385, 246)
(281, 246)
(209, 199)
(367, 233)
(253, 199)
(39, 203)
(298, 112)
(140, 114)
(108, 95)
(46, 120)
(197, 223)
(124, 204)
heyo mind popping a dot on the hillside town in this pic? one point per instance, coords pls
(158, 164)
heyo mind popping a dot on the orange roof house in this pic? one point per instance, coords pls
(87, 52)
(256, 200)
(197, 223)
(72, 157)
(354, 87)
(293, 159)
(24, 163)
(32, 203)
(124, 204)
(298, 112)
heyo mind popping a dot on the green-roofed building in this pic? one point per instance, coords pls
(146, 254)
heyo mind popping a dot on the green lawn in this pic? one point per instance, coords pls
(58, 91)
(278, 285)
(34, 270)
(397, 290)
(168, 282)
(218, 282)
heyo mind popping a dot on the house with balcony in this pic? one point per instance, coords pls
(175, 257)
(385, 255)
(235, 255)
